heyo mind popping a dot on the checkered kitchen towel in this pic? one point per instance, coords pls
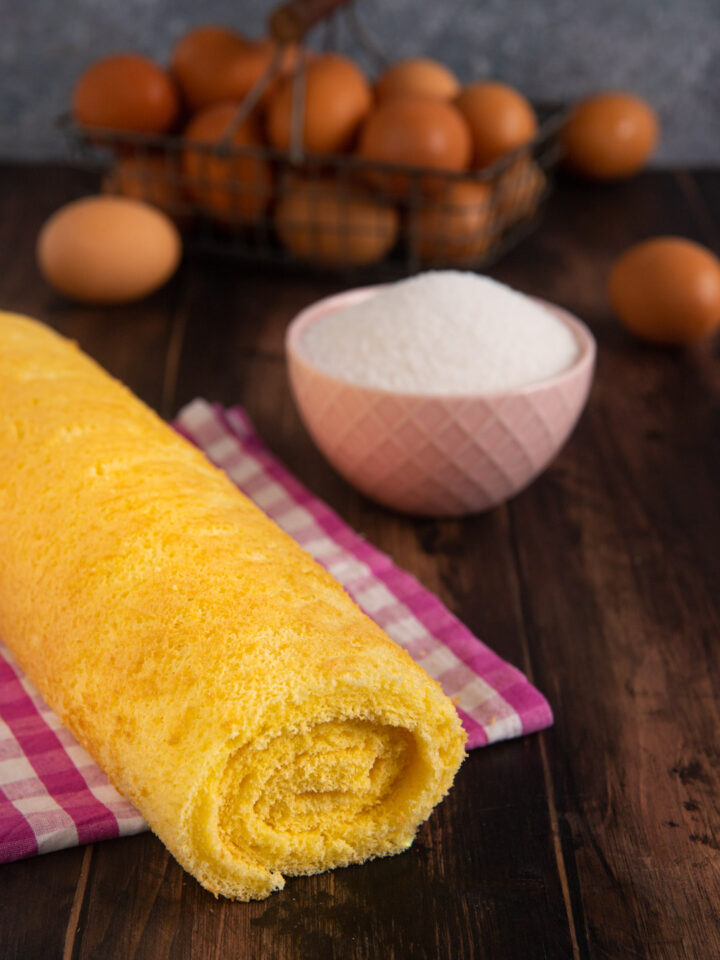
(52, 795)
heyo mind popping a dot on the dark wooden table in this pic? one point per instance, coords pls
(597, 839)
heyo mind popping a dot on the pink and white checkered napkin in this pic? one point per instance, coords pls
(52, 795)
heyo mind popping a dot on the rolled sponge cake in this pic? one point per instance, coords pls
(227, 685)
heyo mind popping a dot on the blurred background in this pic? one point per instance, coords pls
(555, 51)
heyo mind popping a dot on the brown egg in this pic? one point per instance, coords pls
(337, 99)
(500, 118)
(236, 188)
(213, 65)
(610, 136)
(416, 132)
(518, 191)
(417, 77)
(455, 228)
(154, 179)
(125, 92)
(332, 224)
(202, 63)
(108, 250)
(667, 290)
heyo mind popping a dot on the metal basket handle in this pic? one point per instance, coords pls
(289, 22)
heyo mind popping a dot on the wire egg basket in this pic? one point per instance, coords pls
(331, 212)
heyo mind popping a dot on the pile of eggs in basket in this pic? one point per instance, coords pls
(415, 115)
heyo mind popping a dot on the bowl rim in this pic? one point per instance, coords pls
(583, 363)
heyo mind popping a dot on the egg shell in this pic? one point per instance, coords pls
(330, 223)
(609, 136)
(337, 100)
(153, 178)
(236, 188)
(126, 92)
(500, 118)
(417, 76)
(455, 228)
(518, 190)
(415, 132)
(213, 64)
(107, 250)
(201, 62)
(667, 290)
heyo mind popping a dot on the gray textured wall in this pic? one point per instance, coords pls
(666, 50)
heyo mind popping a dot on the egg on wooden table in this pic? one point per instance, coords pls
(126, 92)
(667, 290)
(105, 250)
(609, 136)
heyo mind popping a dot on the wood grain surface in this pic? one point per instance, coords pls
(599, 838)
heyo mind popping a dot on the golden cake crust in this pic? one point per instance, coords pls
(227, 685)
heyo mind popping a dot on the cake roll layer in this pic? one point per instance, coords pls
(227, 685)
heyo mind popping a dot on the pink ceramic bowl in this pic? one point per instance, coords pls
(437, 455)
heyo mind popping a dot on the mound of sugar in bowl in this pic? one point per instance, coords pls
(442, 332)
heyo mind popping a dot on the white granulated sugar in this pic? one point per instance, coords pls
(441, 332)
